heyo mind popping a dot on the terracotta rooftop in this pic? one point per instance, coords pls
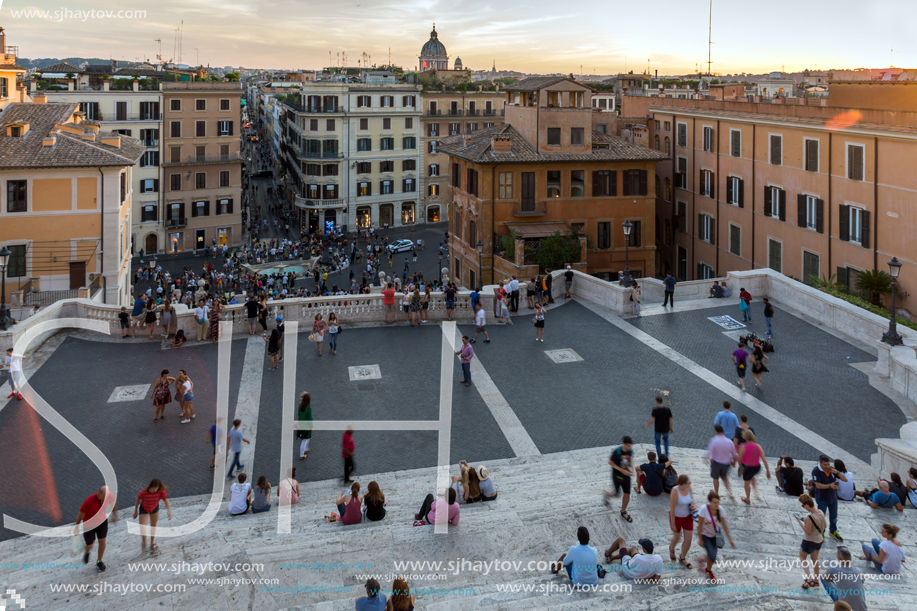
(534, 83)
(69, 150)
(62, 68)
(479, 149)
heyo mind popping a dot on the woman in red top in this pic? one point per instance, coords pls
(751, 455)
(148, 505)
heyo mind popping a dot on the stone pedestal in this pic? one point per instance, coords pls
(898, 455)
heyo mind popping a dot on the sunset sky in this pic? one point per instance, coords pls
(530, 36)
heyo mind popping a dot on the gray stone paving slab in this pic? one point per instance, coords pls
(810, 377)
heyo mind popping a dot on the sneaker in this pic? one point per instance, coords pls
(185, 421)
(85, 557)
(837, 536)
(11, 395)
(779, 489)
(471, 341)
(486, 341)
(281, 360)
(101, 566)
(230, 476)
(19, 396)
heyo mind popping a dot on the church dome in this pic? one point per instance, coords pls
(433, 47)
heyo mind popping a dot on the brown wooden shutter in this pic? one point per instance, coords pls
(643, 187)
(812, 155)
(842, 277)
(844, 222)
(850, 162)
(181, 211)
(736, 144)
(700, 224)
(729, 192)
(700, 181)
(712, 185)
(207, 208)
(741, 193)
(782, 209)
(866, 227)
(768, 204)
(801, 210)
(613, 183)
(819, 216)
(713, 231)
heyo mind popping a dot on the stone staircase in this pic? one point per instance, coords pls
(542, 501)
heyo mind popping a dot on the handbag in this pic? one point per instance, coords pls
(720, 539)
(312, 337)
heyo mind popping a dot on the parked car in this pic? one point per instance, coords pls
(263, 174)
(400, 246)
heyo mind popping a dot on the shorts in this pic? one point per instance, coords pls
(621, 483)
(389, 307)
(741, 372)
(145, 512)
(406, 308)
(480, 328)
(253, 320)
(425, 305)
(750, 472)
(809, 547)
(125, 324)
(568, 285)
(450, 305)
(138, 319)
(539, 324)
(188, 398)
(99, 532)
(718, 470)
(686, 523)
(710, 546)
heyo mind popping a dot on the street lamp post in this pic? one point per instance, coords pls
(628, 226)
(480, 247)
(4, 311)
(891, 336)
(440, 267)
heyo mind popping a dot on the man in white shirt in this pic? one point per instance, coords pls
(635, 565)
(13, 362)
(241, 496)
(480, 322)
(201, 315)
(514, 295)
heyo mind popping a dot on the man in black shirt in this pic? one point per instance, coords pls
(568, 282)
(251, 311)
(651, 475)
(620, 461)
(789, 477)
(548, 282)
(662, 419)
(450, 299)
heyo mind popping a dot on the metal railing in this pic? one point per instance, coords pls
(434, 113)
(211, 158)
(490, 113)
(473, 112)
(179, 222)
(321, 155)
(318, 204)
(455, 112)
(149, 142)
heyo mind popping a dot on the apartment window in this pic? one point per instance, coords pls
(224, 151)
(15, 132)
(456, 176)
(554, 136)
(409, 123)
(364, 167)
(149, 111)
(200, 209)
(176, 129)
(776, 149)
(604, 183)
(635, 182)
(454, 128)
(682, 135)
(432, 146)
(408, 185)
(681, 216)
(472, 127)
(472, 232)
(408, 101)
(706, 228)
(312, 192)
(224, 178)
(200, 180)
(387, 144)
(148, 214)
(16, 196)
(657, 124)
(175, 182)
(149, 137)
(200, 152)
(472, 182)
(149, 185)
(506, 185)
(224, 206)
(668, 190)
(388, 101)
(854, 225)
(364, 124)
(434, 170)
(224, 128)
(200, 129)
(705, 272)
(409, 143)
(123, 177)
(681, 176)
(708, 139)
(313, 125)
(811, 266)
(433, 190)
(175, 105)
(364, 101)
(775, 203)
(387, 166)
(602, 128)
(150, 159)
(603, 235)
(408, 165)
(668, 146)
(856, 154)
(433, 129)
(313, 169)
(636, 234)
(385, 187)
(577, 183)
(364, 189)
(810, 211)
(707, 184)
(329, 125)
(576, 136)
(200, 104)
(735, 142)
(668, 126)
(811, 155)
(553, 183)
(735, 191)
(735, 240)
(364, 144)
(656, 142)
(330, 169)
(386, 123)
(224, 104)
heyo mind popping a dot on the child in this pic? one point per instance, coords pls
(504, 312)
(179, 339)
(125, 319)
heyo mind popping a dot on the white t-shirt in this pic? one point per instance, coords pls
(239, 495)
(641, 566)
(201, 313)
(186, 387)
(706, 512)
(845, 489)
(14, 362)
(893, 557)
(479, 318)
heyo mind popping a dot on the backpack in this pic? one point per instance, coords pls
(669, 478)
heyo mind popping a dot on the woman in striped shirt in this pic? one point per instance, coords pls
(147, 504)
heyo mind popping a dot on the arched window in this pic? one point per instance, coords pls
(668, 190)
(668, 145)
(657, 143)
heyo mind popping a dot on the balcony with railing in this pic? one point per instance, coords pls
(318, 204)
(455, 112)
(434, 113)
(149, 142)
(176, 222)
(490, 112)
(206, 159)
(305, 108)
(321, 154)
(530, 207)
(473, 112)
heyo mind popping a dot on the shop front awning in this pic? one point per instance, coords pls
(538, 229)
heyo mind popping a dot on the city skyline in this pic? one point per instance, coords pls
(271, 35)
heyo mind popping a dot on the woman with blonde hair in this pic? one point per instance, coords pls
(473, 491)
(401, 598)
(318, 329)
(460, 483)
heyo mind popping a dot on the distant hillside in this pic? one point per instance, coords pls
(74, 61)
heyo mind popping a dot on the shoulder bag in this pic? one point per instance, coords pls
(720, 539)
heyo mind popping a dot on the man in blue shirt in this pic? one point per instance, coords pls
(669, 290)
(137, 315)
(883, 497)
(581, 561)
(235, 439)
(824, 478)
(374, 600)
(727, 420)
(475, 298)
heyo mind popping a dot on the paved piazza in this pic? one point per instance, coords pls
(541, 416)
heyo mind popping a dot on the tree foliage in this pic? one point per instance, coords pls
(874, 283)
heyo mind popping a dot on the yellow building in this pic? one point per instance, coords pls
(65, 193)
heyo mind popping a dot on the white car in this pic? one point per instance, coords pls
(399, 246)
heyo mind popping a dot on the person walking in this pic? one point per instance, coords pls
(669, 283)
(750, 456)
(304, 416)
(711, 524)
(740, 360)
(661, 418)
(621, 460)
(334, 329)
(635, 300)
(745, 304)
(568, 282)
(538, 319)
(93, 516)
(273, 347)
(147, 504)
(161, 395)
(215, 438)
(813, 529)
(768, 315)
(318, 330)
(681, 520)
(347, 450)
(234, 439)
(480, 323)
(728, 420)
(13, 362)
(466, 353)
(758, 365)
(281, 330)
(721, 452)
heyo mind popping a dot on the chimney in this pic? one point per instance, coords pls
(2, 40)
(112, 140)
(501, 143)
(466, 140)
(49, 140)
(33, 85)
(70, 85)
(136, 85)
(40, 98)
(105, 85)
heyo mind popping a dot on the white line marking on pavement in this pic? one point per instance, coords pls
(760, 407)
(519, 439)
(249, 399)
(444, 438)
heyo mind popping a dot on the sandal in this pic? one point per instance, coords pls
(154, 547)
(746, 501)
(686, 563)
(672, 557)
(809, 583)
(626, 516)
(155, 419)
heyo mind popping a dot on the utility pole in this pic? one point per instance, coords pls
(159, 40)
(710, 39)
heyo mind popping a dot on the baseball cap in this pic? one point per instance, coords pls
(647, 545)
(568, 267)
(279, 319)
